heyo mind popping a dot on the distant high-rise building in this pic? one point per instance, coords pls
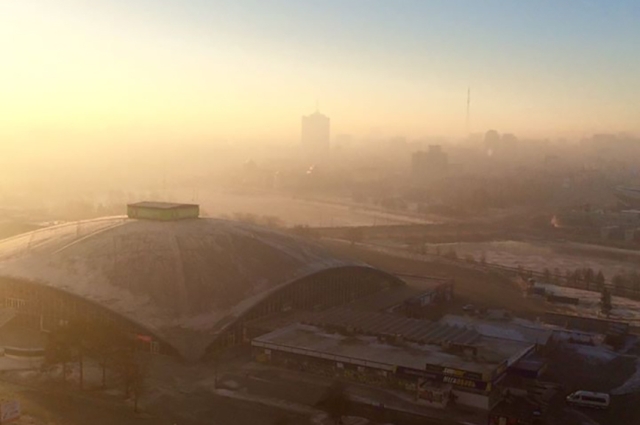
(315, 135)
(432, 163)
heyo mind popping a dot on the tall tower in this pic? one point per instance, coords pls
(468, 122)
(315, 135)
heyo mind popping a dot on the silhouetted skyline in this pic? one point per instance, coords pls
(142, 70)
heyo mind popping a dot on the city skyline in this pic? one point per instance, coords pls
(154, 70)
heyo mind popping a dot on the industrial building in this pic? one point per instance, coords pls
(186, 286)
(414, 298)
(433, 163)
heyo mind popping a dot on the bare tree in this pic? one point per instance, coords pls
(547, 275)
(67, 344)
(58, 350)
(336, 402)
(599, 279)
(138, 382)
(605, 302)
(355, 235)
(103, 343)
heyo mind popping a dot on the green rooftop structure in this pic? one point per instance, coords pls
(163, 211)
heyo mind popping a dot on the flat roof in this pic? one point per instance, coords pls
(380, 324)
(161, 205)
(368, 350)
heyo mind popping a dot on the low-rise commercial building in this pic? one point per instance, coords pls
(466, 373)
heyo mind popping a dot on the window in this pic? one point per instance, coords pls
(16, 303)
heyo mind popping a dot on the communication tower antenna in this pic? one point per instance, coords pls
(468, 123)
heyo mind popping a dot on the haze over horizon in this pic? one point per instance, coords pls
(150, 70)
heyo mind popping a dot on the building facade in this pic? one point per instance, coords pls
(428, 372)
(433, 163)
(315, 135)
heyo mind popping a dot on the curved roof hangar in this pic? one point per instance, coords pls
(177, 279)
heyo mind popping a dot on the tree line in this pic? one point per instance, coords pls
(106, 343)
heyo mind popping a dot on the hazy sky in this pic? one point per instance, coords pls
(121, 70)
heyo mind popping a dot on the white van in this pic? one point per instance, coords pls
(589, 399)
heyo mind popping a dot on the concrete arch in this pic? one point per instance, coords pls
(363, 271)
(353, 280)
(86, 304)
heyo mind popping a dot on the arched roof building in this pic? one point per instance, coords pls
(183, 281)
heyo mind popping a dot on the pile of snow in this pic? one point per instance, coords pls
(595, 353)
(514, 330)
(632, 384)
(623, 308)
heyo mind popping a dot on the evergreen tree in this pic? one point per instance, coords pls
(605, 302)
(599, 279)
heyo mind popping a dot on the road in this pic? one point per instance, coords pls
(204, 408)
(57, 406)
(63, 407)
(306, 390)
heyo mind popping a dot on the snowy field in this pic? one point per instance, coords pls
(541, 255)
(623, 308)
(295, 211)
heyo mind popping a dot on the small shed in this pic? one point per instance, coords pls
(163, 211)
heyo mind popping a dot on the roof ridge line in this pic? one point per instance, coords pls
(97, 232)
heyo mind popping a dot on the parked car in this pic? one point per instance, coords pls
(589, 399)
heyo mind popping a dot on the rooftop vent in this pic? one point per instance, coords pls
(162, 211)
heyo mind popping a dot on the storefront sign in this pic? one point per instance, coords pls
(459, 381)
(448, 371)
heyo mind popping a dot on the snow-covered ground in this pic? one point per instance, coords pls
(516, 329)
(297, 211)
(317, 416)
(595, 353)
(534, 255)
(623, 308)
(632, 384)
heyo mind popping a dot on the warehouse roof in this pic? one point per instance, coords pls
(313, 341)
(377, 324)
